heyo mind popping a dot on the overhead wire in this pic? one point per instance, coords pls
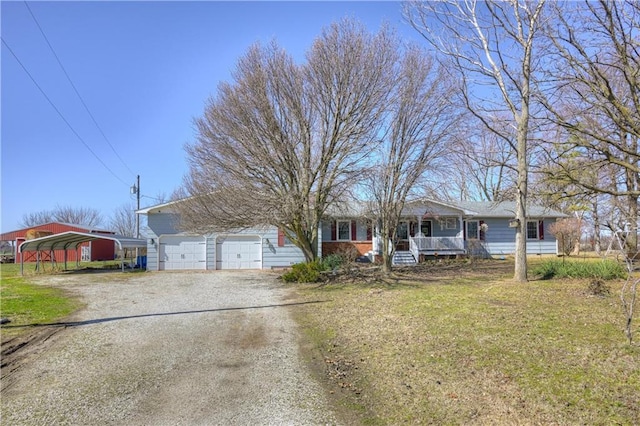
(60, 113)
(76, 90)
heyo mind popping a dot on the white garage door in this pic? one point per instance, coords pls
(239, 252)
(180, 252)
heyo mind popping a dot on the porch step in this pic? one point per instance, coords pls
(403, 258)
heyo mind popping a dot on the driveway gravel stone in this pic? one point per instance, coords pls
(161, 348)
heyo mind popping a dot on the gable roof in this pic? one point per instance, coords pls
(508, 209)
(57, 226)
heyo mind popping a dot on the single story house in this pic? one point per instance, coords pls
(90, 251)
(428, 228)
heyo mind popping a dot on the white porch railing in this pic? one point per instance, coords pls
(436, 243)
(413, 248)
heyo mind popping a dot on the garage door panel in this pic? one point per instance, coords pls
(239, 252)
(182, 253)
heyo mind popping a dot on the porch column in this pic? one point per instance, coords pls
(419, 233)
(461, 232)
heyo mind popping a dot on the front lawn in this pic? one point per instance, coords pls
(24, 303)
(463, 344)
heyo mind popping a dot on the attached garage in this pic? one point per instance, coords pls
(239, 252)
(180, 252)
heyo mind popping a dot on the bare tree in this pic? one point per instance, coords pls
(123, 220)
(595, 95)
(284, 141)
(85, 216)
(568, 232)
(36, 218)
(482, 166)
(420, 122)
(490, 46)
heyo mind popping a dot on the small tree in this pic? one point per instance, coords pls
(418, 126)
(568, 232)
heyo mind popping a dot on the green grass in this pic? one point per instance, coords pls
(560, 268)
(25, 303)
(481, 351)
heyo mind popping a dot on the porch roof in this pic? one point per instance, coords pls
(428, 207)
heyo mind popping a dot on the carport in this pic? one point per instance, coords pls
(71, 240)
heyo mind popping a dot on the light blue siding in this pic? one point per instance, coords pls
(277, 257)
(439, 229)
(501, 240)
(160, 224)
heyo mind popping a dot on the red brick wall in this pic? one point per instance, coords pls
(362, 247)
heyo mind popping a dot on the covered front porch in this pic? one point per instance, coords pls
(427, 230)
(421, 246)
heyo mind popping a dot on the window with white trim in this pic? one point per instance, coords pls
(532, 230)
(343, 230)
(451, 223)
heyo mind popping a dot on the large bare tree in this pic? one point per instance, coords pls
(419, 128)
(594, 97)
(283, 141)
(123, 220)
(85, 216)
(482, 165)
(490, 46)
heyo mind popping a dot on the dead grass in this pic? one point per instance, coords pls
(463, 344)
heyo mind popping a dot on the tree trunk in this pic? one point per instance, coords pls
(597, 242)
(387, 253)
(520, 273)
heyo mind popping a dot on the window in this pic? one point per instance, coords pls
(532, 230)
(344, 230)
(451, 223)
(473, 230)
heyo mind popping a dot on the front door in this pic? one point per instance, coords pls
(402, 234)
(425, 228)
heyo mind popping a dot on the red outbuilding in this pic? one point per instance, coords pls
(89, 251)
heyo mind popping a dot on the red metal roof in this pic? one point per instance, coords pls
(55, 227)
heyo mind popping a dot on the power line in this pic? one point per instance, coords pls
(59, 113)
(76, 90)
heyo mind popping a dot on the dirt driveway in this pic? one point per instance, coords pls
(169, 349)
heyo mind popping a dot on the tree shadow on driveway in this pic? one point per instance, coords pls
(160, 314)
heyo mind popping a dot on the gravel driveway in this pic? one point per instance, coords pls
(170, 349)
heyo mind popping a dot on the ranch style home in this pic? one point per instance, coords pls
(428, 229)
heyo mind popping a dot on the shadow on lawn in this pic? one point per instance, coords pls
(161, 314)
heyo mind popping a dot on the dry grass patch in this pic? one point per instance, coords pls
(465, 345)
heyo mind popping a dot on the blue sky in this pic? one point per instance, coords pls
(145, 70)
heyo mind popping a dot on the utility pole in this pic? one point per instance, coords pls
(138, 208)
(135, 189)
